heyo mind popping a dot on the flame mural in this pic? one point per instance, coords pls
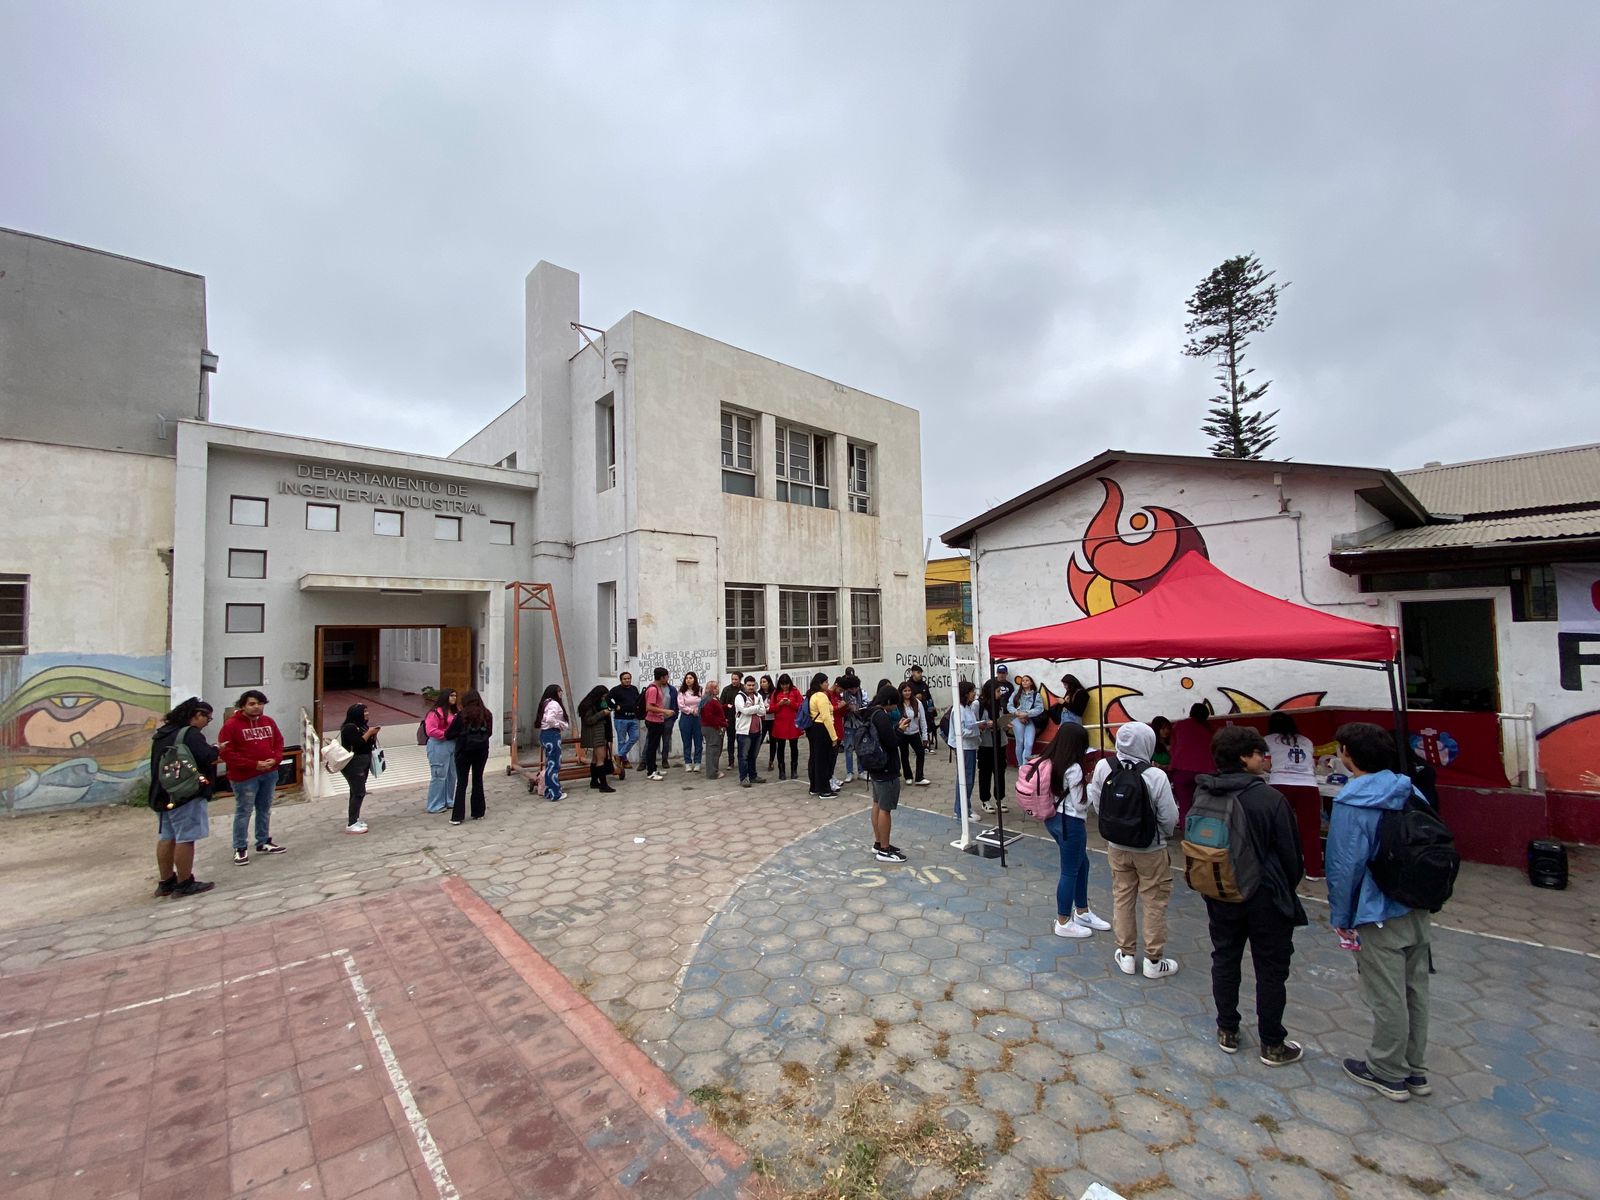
(1105, 708)
(1117, 568)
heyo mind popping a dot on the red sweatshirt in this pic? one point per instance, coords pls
(712, 714)
(245, 742)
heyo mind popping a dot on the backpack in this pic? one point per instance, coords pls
(422, 732)
(1219, 855)
(178, 778)
(473, 737)
(1416, 860)
(944, 727)
(1034, 789)
(802, 716)
(1127, 817)
(868, 747)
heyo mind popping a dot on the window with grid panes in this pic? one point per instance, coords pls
(866, 627)
(738, 454)
(808, 628)
(13, 614)
(802, 466)
(859, 484)
(745, 625)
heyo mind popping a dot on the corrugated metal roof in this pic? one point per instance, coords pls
(1486, 533)
(1518, 483)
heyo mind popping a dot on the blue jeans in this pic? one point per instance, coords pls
(627, 734)
(694, 742)
(969, 760)
(1022, 728)
(747, 755)
(253, 794)
(1072, 889)
(550, 739)
(441, 774)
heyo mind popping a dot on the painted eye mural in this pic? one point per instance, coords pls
(1118, 567)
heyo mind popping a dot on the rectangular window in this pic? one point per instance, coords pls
(860, 481)
(605, 444)
(808, 628)
(246, 618)
(502, 533)
(447, 529)
(745, 623)
(633, 637)
(388, 523)
(738, 454)
(13, 614)
(247, 510)
(606, 626)
(802, 461)
(1533, 593)
(866, 627)
(247, 564)
(241, 672)
(324, 518)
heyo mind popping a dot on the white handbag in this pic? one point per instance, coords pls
(379, 763)
(334, 755)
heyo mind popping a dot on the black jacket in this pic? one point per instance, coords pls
(205, 756)
(1273, 833)
(627, 702)
(888, 730)
(353, 733)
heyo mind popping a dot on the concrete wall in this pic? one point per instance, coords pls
(95, 347)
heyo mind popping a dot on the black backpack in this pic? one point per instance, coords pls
(866, 744)
(473, 737)
(1127, 817)
(1416, 861)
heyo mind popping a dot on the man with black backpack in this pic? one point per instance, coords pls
(182, 767)
(1389, 933)
(878, 754)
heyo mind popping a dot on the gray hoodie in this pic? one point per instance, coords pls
(1136, 743)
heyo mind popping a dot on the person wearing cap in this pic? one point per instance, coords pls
(1002, 686)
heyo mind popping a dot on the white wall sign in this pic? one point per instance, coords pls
(1578, 597)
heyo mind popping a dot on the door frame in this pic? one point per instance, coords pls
(1494, 597)
(319, 637)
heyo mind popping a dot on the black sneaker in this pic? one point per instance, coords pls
(192, 887)
(1418, 1085)
(888, 854)
(166, 887)
(1228, 1041)
(1282, 1054)
(1358, 1070)
(241, 858)
(893, 849)
(270, 847)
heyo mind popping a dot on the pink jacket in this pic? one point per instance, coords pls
(437, 724)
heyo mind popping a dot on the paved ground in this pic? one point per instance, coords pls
(641, 901)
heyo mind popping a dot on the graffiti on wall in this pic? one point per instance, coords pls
(678, 663)
(1569, 754)
(1116, 568)
(75, 729)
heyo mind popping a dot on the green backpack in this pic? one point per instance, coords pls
(178, 778)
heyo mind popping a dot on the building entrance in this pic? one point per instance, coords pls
(1450, 659)
(389, 668)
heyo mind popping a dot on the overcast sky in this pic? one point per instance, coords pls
(993, 213)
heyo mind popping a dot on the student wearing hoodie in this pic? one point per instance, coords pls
(1390, 940)
(251, 746)
(1141, 876)
(1267, 918)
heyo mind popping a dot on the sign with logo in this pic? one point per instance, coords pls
(1578, 598)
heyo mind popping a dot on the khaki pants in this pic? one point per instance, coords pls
(1142, 877)
(1393, 961)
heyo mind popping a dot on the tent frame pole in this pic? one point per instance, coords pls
(1402, 732)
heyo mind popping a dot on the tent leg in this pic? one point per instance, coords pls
(1402, 733)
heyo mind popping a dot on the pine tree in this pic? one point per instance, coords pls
(1236, 300)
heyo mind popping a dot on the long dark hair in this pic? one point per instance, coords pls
(553, 692)
(766, 684)
(186, 711)
(785, 682)
(441, 701)
(1066, 752)
(886, 697)
(684, 686)
(591, 703)
(356, 715)
(819, 683)
(472, 710)
(986, 701)
(965, 691)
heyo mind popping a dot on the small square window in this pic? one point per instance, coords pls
(247, 510)
(324, 518)
(241, 672)
(247, 564)
(502, 533)
(246, 618)
(386, 523)
(447, 529)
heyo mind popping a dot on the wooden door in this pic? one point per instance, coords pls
(455, 659)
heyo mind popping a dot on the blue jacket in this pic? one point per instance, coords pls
(1026, 704)
(1354, 898)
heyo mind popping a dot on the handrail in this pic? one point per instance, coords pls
(311, 755)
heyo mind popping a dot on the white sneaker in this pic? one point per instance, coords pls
(1088, 920)
(1160, 968)
(849, 778)
(836, 783)
(687, 768)
(657, 775)
(1127, 962)
(1071, 929)
(358, 827)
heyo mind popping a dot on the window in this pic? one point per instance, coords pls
(605, 445)
(388, 523)
(13, 614)
(808, 628)
(1533, 593)
(247, 564)
(323, 518)
(860, 480)
(246, 618)
(502, 533)
(738, 454)
(606, 626)
(247, 510)
(241, 672)
(802, 466)
(745, 623)
(447, 529)
(866, 627)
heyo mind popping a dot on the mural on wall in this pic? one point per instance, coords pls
(1116, 568)
(75, 730)
(1569, 754)
(678, 664)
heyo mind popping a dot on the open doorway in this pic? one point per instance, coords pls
(389, 668)
(1450, 659)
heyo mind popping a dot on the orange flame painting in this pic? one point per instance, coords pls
(1118, 568)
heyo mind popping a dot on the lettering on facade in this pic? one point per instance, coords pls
(356, 486)
(679, 663)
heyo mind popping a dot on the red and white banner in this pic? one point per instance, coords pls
(1578, 597)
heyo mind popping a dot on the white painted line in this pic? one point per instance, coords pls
(204, 987)
(402, 1089)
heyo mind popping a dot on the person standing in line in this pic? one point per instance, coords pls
(766, 689)
(883, 777)
(914, 737)
(748, 709)
(627, 710)
(655, 723)
(1191, 755)
(1025, 705)
(1163, 754)
(594, 737)
(1141, 876)
(471, 730)
(784, 707)
(991, 747)
(361, 739)
(669, 724)
(689, 728)
(553, 725)
(822, 738)
(251, 746)
(855, 710)
(1003, 686)
(182, 823)
(441, 751)
(971, 725)
(714, 726)
(1069, 827)
(730, 692)
(924, 695)
(1392, 943)
(840, 712)
(1294, 773)
(1267, 918)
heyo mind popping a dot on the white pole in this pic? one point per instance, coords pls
(957, 743)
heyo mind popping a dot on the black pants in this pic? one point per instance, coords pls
(991, 764)
(821, 754)
(655, 733)
(470, 760)
(775, 754)
(912, 742)
(1271, 938)
(355, 773)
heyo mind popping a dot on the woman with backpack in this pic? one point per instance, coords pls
(883, 726)
(441, 750)
(594, 736)
(914, 735)
(1059, 768)
(356, 736)
(822, 738)
(553, 723)
(183, 819)
(470, 729)
(784, 708)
